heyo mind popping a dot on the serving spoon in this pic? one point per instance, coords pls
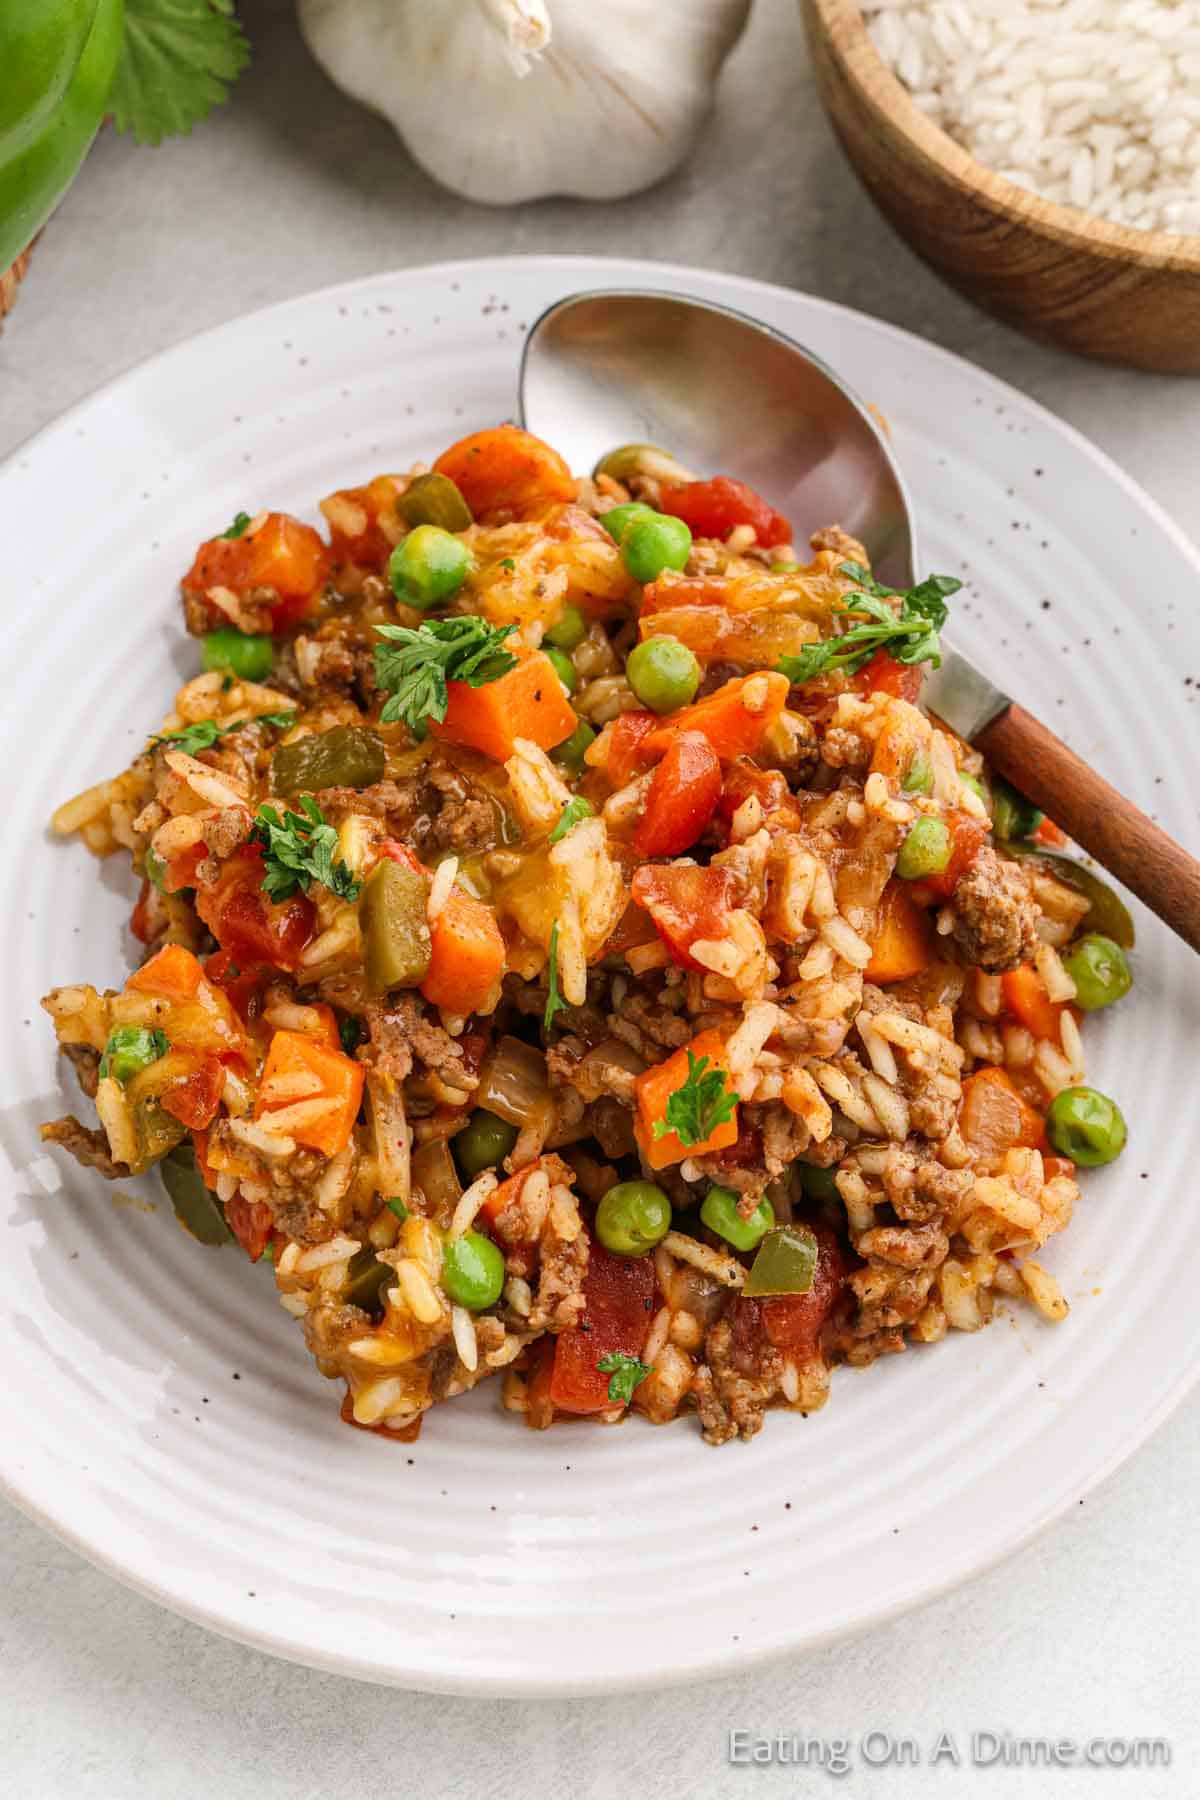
(727, 395)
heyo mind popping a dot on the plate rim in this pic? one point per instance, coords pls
(713, 1661)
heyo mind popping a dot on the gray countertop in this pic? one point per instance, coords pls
(1091, 1631)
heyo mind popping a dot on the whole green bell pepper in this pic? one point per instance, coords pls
(58, 59)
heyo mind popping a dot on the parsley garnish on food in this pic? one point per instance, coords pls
(696, 1109)
(350, 1031)
(177, 60)
(911, 636)
(625, 1373)
(506, 562)
(572, 813)
(298, 850)
(554, 1000)
(203, 734)
(413, 667)
(240, 526)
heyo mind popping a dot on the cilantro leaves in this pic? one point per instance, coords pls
(177, 60)
(413, 667)
(298, 849)
(696, 1109)
(910, 636)
(204, 733)
(625, 1373)
(554, 1000)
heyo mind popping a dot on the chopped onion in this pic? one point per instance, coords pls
(389, 1127)
(433, 1171)
(513, 1085)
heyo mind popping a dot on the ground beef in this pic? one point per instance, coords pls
(398, 803)
(465, 818)
(90, 1148)
(996, 919)
(832, 537)
(436, 808)
(736, 1382)
(559, 1302)
(86, 1063)
(402, 1030)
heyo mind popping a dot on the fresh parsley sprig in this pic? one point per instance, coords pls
(624, 1373)
(413, 667)
(697, 1107)
(910, 635)
(298, 849)
(239, 528)
(178, 58)
(204, 733)
(554, 1000)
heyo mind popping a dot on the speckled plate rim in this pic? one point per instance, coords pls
(573, 272)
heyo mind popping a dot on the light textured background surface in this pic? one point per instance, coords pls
(1093, 1630)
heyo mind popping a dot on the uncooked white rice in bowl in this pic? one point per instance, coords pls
(1093, 103)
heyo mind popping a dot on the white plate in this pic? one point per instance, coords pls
(159, 1411)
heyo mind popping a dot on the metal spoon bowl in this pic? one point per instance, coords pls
(723, 394)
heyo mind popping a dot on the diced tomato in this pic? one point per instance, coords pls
(506, 473)
(400, 853)
(180, 871)
(243, 986)
(1049, 835)
(794, 1322)
(619, 1295)
(654, 1088)
(735, 719)
(744, 780)
(282, 554)
(968, 835)
(251, 1223)
(682, 797)
(363, 524)
(671, 592)
(994, 1117)
(1054, 1166)
(252, 928)
(621, 748)
(686, 903)
(712, 509)
(746, 1150)
(903, 943)
(194, 1099)
(1025, 997)
(884, 675)
(141, 922)
(172, 974)
(208, 1174)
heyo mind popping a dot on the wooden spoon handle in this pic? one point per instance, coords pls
(1106, 824)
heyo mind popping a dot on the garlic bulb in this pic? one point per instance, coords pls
(508, 100)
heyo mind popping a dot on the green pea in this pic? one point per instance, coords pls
(818, 1183)
(483, 1142)
(241, 653)
(619, 518)
(564, 667)
(720, 1213)
(571, 752)
(155, 869)
(1100, 970)
(663, 673)
(472, 1271)
(569, 631)
(925, 851)
(129, 1050)
(633, 1217)
(1087, 1126)
(428, 567)
(1013, 816)
(651, 545)
(919, 779)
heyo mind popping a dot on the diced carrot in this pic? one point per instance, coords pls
(506, 473)
(340, 1079)
(1052, 836)
(281, 554)
(529, 702)
(734, 720)
(995, 1117)
(1025, 997)
(172, 974)
(466, 956)
(903, 943)
(654, 1088)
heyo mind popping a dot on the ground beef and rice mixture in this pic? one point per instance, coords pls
(647, 1027)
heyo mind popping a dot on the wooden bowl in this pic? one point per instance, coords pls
(1061, 275)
